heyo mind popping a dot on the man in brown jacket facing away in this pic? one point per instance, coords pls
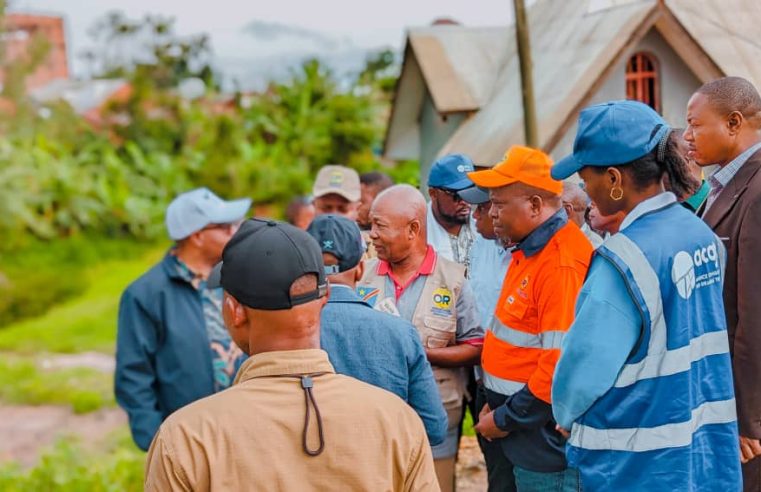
(288, 422)
(724, 119)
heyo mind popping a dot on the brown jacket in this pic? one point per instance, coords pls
(735, 217)
(249, 437)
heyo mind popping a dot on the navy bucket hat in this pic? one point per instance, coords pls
(612, 134)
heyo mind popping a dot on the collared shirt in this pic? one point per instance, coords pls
(696, 200)
(488, 266)
(593, 237)
(721, 178)
(250, 436)
(539, 237)
(461, 245)
(226, 357)
(426, 268)
(452, 247)
(382, 350)
(469, 329)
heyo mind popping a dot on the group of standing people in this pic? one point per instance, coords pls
(604, 335)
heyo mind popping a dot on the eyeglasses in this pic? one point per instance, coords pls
(454, 195)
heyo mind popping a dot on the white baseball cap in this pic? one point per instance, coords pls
(193, 210)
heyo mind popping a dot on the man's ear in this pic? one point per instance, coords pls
(414, 228)
(359, 271)
(432, 193)
(537, 202)
(234, 313)
(735, 122)
(196, 239)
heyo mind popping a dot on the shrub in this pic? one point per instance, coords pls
(71, 467)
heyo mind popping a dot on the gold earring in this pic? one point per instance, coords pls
(616, 193)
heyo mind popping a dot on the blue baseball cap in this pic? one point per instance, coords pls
(450, 172)
(341, 238)
(192, 211)
(612, 134)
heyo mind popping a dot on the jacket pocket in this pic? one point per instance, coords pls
(439, 332)
(451, 387)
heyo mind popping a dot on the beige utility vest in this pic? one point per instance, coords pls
(435, 317)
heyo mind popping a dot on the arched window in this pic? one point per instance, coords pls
(642, 80)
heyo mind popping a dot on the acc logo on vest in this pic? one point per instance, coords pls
(442, 301)
(683, 269)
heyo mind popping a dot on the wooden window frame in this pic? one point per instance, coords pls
(637, 87)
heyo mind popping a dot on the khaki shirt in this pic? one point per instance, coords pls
(249, 437)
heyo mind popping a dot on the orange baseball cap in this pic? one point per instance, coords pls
(520, 165)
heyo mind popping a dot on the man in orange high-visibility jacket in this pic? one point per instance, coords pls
(536, 306)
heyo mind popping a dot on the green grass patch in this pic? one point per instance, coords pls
(115, 466)
(88, 321)
(22, 382)
(467, 424)
(36, 275)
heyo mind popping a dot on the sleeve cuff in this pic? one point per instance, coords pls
(476, 342)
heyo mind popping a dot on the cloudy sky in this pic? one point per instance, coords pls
(255, 38)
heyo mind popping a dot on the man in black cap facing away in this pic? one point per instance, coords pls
(374, 347)
(288, 422)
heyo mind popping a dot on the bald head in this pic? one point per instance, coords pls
(575, 201)
(397, 220)
(402, 200)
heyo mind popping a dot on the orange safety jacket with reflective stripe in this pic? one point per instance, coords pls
(535, 309)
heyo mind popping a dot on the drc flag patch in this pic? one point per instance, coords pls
(368, 295)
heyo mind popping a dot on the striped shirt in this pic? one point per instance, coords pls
(724, 175)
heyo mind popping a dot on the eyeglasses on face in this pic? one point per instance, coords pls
(454, 195)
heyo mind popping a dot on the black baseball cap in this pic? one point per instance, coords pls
(263, 259)
(474, 195)
(341, 238)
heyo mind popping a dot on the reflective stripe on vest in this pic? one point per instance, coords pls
(502, 386)
(675, 361)
(517, 338)
(649, 286)
(649, 439)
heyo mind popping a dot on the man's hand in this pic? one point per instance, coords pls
(563, 432)
(486, 425)
(749, 449)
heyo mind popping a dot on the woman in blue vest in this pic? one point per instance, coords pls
(644, 382)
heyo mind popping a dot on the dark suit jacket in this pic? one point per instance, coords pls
(735, 217)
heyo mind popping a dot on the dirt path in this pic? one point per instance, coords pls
(27, 430)
(471, 469)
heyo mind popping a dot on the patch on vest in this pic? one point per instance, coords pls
(683, 273)
(524, 282)
(368, 294)
(442, 302)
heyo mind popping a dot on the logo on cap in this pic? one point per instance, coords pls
(327, 244)
(336, 178)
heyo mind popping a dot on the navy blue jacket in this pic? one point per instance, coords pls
(163, 354)
(382, 350)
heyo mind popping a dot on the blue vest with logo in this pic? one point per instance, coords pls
(669, 422)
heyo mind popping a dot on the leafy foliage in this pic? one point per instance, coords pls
(22, 382)
(70, 466)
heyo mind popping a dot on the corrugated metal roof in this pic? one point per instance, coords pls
(460, 65)
(728, 30)
(570, 49)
